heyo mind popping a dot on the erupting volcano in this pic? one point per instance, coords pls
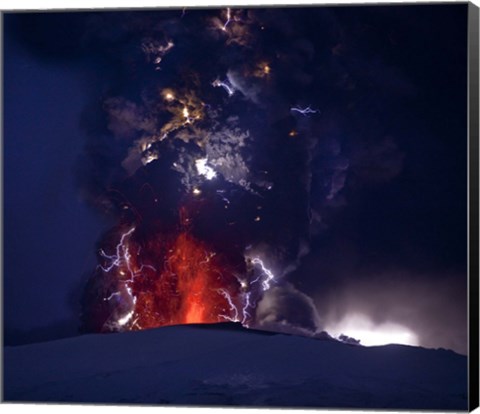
(181, 261)
(250, 164)
(168, 277)
(202, 216)
(290, 169)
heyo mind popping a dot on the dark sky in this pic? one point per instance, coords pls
(48, 231)
(367, 210)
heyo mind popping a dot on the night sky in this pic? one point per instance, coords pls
(300, 170)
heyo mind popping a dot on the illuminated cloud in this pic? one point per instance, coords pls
(204, 169)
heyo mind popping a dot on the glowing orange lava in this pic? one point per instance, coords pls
(185, 289)
(156, 277)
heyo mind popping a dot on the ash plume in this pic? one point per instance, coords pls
(220, 164)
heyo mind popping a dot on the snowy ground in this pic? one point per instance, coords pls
(195, 365)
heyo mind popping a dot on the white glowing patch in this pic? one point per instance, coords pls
(360, 327)
(204, 169)
(196, 191)
(144, 145)
(149, 158)
(122, 321)
(130, 293)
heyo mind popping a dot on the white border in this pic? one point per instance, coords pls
(100, 4)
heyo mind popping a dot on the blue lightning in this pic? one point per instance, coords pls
(114, 294)
(304, 111)
(245, 308)
(122, 256)
(218, 83)
(229, 19)
(265, 272)
(233, 308)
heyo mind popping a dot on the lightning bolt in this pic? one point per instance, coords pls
(143, 266)
(225, 199)
(229, 19)
(114, 294)
(218, 83)
(246, 305)
(124, 319)
(233, 308)
(122, 256)
(265, 272)
(304, 111)
(245, 314)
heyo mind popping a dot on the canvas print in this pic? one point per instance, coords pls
(224, 206)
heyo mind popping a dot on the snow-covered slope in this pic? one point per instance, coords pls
(198, 365)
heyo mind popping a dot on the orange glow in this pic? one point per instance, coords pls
(168, 95)
(196, 281)
(185, 289)
(165, 277)
(260, 70)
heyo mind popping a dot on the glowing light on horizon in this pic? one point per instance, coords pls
(361, 327)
